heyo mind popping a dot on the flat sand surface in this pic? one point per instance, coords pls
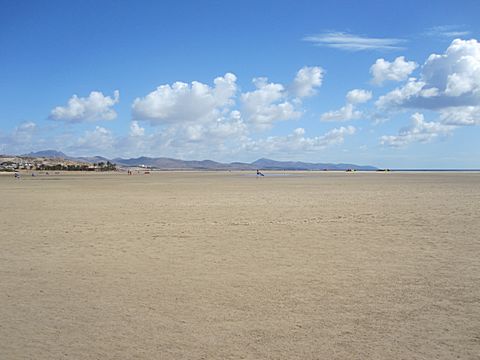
(219, 265)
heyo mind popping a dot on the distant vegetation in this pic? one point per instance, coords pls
(101, 166)
(108, 166)
(55, 164)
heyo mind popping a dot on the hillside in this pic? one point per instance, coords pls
(164, 163)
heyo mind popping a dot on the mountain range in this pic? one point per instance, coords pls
(163, 163)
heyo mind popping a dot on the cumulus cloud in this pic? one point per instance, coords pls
(198, 109)
(199, 119)
(348, 112)
(231, 125)
(136, 129)
(307, 80)
(402, 95)
(419, 131)
(271, 102)
(25, 131)
(92, 108)
(460, 115)
(194, 118)
(345, 113)
(99, 139)
(352, 42)
(182, 102)
(28, 136)
(358, 96)
(21, 139)
(297, 142)
(189, 120)
(447, 81)
(21, 136)
(267, 104)
(218, 131)
(398, 70)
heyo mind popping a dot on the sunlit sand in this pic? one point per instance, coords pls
(192, 265)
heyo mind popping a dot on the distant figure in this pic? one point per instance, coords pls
(33, 174)
(259, 173)
(17, 175)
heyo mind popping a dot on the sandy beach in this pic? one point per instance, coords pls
(224, 265)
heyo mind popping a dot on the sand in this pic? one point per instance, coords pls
(192, 265)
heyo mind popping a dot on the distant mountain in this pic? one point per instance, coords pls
(89, 159)
(291, 165)
(269, 164)
(54, 154)
(160, 163)
(47, 154)
(264, 164)
(168, 163)
(163, 163)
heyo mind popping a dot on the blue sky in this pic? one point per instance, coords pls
(330, 81)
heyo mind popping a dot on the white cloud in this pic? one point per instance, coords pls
(398, 70)
(182, 103)
(352, 42)
(345, 113)
(229, 140)
(199, 120)
(348, 112)
(358, 96)
(399, 96)
(307, 80)
(225, 127)
(25, 131)
(99, 139)
(272, 102)
(419, 131)
(296, 142)
(198, 109)
(460, 115)
(92, 108)
(22, 139)
(30, 136)
(447, 81)
(189, 120)
(458, 70)
(195, 119)
(222, 129)
(267, 104)
(136, 129)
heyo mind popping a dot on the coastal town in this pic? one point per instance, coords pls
(16, 163)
